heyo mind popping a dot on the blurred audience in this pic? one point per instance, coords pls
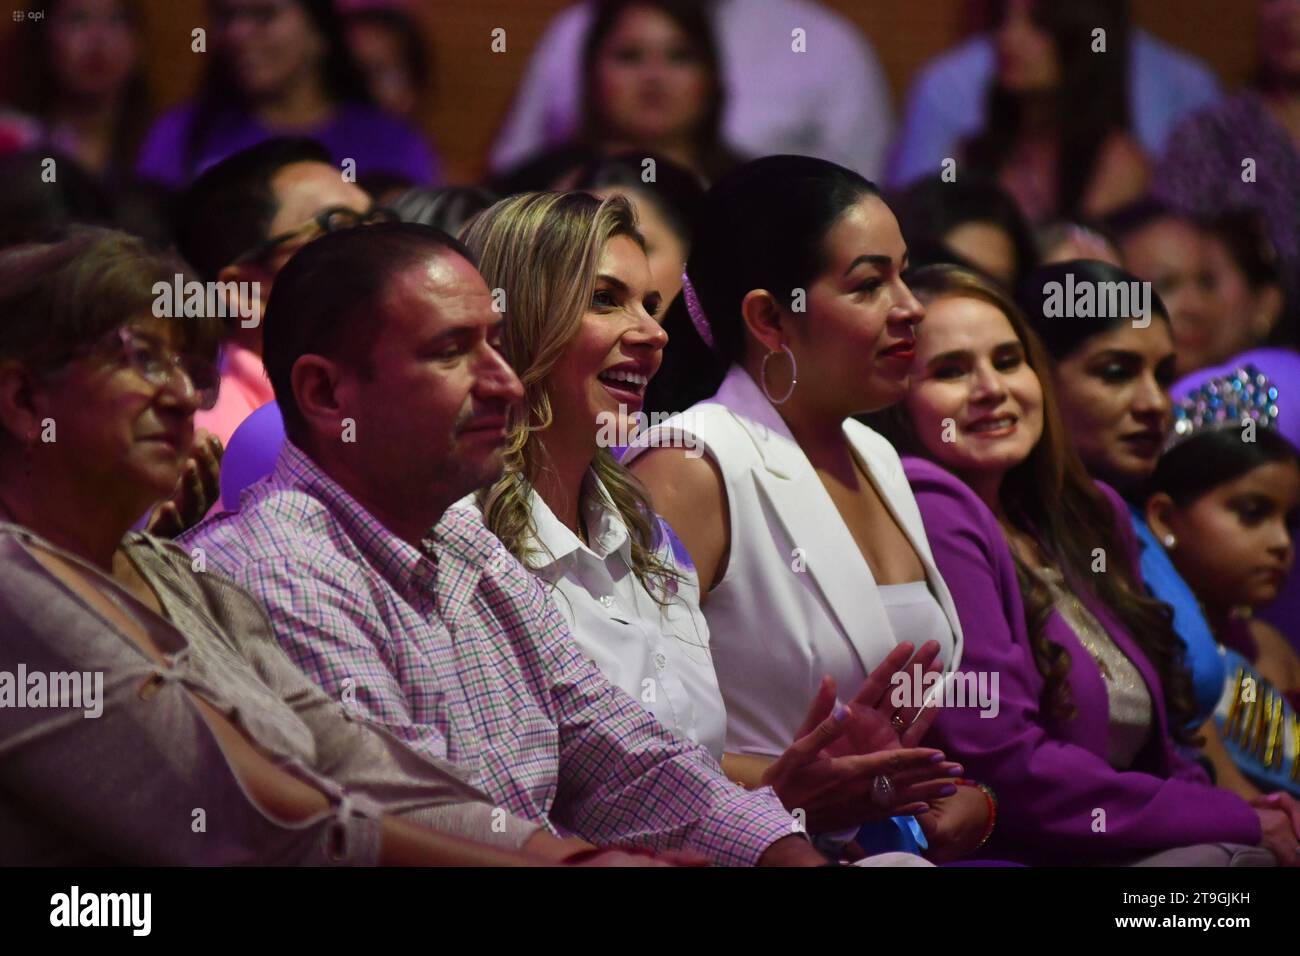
(779, 99)
(1248, 286)
(281, 67)
(1170, 250)
(84, 87)
(976, 224)
(392, 52)
(450, 209)
(666, 199)
(1061, 241)
(238, 224)
(1057, 133)
(651, 83)
(1244, 153)
(949, 102)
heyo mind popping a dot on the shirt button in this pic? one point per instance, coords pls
(607, 601)
(660, 660)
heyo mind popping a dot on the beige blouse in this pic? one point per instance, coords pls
(143, 781)
(1126, 691)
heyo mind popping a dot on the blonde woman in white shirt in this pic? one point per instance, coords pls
(805, 534)
(580, 329)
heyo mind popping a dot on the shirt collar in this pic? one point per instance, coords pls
(552, 540)
(394, 559)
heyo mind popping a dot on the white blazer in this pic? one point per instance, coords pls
(798, 599)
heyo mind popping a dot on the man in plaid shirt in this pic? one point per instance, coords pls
(379, 342)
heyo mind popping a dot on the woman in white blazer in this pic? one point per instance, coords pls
(805, 535)
(582, 334)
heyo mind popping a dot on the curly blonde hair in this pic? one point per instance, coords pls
(542, 250)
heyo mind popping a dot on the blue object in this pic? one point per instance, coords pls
(895, 835)
(1164, 582)
(251, 453)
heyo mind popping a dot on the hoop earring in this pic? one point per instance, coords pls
(794, 372)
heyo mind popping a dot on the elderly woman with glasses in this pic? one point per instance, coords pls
(137, 669)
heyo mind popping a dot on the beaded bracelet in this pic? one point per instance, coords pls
(992, 799)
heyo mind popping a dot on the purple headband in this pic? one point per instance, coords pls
(696, 311)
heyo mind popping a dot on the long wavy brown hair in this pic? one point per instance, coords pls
(1051, 497)
(543, 251)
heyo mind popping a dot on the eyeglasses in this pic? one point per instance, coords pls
(154, 363)
(331, 219)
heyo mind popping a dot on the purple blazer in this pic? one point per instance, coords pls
(1051, 777)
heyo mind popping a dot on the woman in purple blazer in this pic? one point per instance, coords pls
(1088, 687)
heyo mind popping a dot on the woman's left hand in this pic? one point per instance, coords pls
(197, 491)
(955, 825)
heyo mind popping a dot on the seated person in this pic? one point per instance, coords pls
(1043, 568)
(583, 331)
(278, 69)
(193, 707)
(652, 83)
(1224, 509)
(238, 224)
(381, 348)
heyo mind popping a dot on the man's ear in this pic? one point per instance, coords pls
(762, 316)
(315, 381)
(20, 412)
(1160, 515)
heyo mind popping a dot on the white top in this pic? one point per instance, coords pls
(798, 599)
(657, 654)
(914, 614)
(831, 101)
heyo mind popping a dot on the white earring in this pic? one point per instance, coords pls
(1169, 541)
(794, 372)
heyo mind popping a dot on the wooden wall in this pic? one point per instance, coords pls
(472, 86)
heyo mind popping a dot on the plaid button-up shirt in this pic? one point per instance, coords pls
(456, 648)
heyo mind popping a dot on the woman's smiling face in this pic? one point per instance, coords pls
(975, 403)
(602, 374)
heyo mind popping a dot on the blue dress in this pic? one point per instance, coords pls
(1204, 658)
(1261, 734)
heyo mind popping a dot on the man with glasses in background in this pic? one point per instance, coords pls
(240, 222)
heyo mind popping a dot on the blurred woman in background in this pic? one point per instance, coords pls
(282, 67)
(1243, 154)
(1058, 132)
(84, 84)
(652, 84)
(970, 222)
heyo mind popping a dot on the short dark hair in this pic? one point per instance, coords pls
(229, 209)
(930, 208)
(57, 297)
(323, 300)
(1198, 465)
(1064, 337)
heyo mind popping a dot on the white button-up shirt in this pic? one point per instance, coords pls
(659, 654)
